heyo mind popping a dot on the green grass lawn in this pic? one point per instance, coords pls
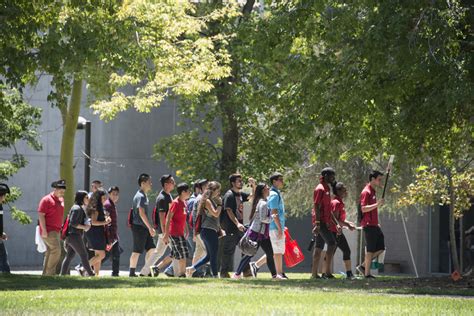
(25, 294)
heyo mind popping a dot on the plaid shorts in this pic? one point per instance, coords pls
(179, 247)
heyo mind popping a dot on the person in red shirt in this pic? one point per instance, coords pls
(321, 218)
(50, 215)
(176, 229)
(374, 238)
(338, 214)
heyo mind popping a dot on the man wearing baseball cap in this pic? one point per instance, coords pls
(4, 266)
(50, 215)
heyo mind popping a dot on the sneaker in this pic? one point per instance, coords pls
(190, 271)
(142, 275)
(133, 275)
(236, 276)
(115, 274)
(349, 275)
(225, 275)
(278, 277)
(327, 276)
(169, 272)
(314, 277)
(361, 269)
(370, 276)
(253, 269)
(284, 276)
(79, 269)
(154, 271)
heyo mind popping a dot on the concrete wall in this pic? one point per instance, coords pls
(122, 149)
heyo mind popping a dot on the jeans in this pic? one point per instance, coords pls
(211, 241)
(4, 266)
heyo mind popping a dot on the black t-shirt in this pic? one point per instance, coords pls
(163, 201)
(233, 201)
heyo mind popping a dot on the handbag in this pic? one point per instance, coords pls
(293, 254)
(247, 245)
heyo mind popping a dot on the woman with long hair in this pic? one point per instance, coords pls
(74, 242)
(210, 207)
(96, 235)
(260, 218)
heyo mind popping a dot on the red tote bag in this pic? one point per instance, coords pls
(293, 254)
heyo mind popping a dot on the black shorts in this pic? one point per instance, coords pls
(179, 247)
(374, 239)
(325, 236)
(142, 239)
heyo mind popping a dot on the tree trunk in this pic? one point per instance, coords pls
(230, 137)
(452, 221)
(67, 143)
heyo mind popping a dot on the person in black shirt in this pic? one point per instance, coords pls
(4, 266)
(231, 220)
(74, 243)
(163, 202)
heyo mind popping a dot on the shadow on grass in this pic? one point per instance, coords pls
(387, 285)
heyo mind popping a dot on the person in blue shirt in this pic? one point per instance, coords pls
(277, 225)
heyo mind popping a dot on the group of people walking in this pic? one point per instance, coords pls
(200, 225)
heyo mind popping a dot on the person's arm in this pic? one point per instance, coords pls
(317, 199)
(42, 223)
(263, 212)
(141, 212)
(95, 222)
(276, 219)
(169, 216)
(213, 211)
(163, 217)
(371, 207)
(234, 219)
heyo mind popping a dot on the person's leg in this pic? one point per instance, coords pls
(263, 259)
(278, 245)
(205, 237)
(267, 248)
(133, 262)
(53, 253)
(4, 265)
(155, 255)
(214, 248)
(228, 251)
(80, 248)
(199, 250)
(96, 261)
(346, 253)
(317, 256)
(115, 259)
(243, 262)
(70, 253)
(330, 240)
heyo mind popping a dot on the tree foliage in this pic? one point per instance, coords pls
(18, 122)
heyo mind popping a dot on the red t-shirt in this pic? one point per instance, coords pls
(322, 196)
(367, 197)
(178, 221)
(53, 209)
(339, 211)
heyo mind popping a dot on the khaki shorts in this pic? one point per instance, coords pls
(278, 244)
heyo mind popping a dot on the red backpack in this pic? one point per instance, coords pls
(65, 228)
(197, 226)
(155, 222)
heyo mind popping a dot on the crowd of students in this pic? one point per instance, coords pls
(198, 225)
